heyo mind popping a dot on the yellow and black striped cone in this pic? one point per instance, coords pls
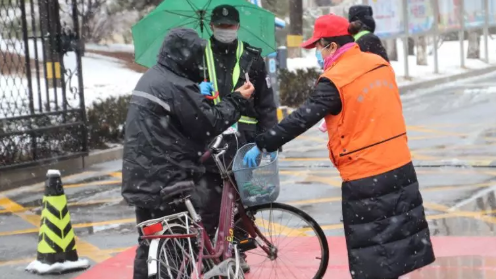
(56, 241)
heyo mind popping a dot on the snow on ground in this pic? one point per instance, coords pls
(105, 77)
(111, 47)
(449, 62)
(102, 77)
(448, 55)
(57, 268)
(307, 61)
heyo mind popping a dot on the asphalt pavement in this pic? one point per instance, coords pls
(452, 135)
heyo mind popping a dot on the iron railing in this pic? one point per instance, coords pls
(42, 115)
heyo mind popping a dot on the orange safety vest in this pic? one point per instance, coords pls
(368, 137)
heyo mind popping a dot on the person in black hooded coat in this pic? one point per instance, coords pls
(168, 126)
(362, 28)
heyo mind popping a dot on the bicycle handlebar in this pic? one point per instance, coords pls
(214, 145)
(217, 141)
(205, 156)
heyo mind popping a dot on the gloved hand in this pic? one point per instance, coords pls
(250, 158)
(273, 155)
(206, 88)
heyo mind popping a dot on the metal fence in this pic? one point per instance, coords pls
(404, 19)
(42, 115)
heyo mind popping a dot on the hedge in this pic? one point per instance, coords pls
(295, 87)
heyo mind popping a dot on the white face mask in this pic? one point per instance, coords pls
(225, 35)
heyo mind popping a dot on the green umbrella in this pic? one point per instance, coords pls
(257, 25)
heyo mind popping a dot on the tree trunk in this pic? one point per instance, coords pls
(473, 51)
(411, 46)
(391, 49)
(422, 51)
(295, 25)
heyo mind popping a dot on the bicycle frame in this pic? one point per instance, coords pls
(224, 242)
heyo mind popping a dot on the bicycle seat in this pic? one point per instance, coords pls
(177, 189)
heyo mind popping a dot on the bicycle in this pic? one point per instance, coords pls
(180, 248)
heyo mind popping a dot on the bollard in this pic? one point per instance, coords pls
(56, 240)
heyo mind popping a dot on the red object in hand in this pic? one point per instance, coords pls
(213, 97)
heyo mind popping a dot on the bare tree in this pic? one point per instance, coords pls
(138, 5)
(296, 24)
(391, 49)
(422, 51)
(279, 7)
(88, 10)
(411, 46)
(473, 51)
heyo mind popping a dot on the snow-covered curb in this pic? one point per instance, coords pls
(16, 178)
(57, 268)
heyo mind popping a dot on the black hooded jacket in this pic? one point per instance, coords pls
(169, 122)
(368, 42)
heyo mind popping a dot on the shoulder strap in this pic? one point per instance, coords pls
(253, 50)
(249, 55)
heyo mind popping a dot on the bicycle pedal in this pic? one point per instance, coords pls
(247, 244)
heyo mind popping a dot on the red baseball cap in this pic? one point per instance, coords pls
(327, 26)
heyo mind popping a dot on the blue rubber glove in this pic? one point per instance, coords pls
(206, 88)
(273, 155)
(250, 158)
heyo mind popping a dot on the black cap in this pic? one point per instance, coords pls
(358, 12)
(363, 13)
(224, 14)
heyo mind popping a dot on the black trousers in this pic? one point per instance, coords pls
(206, 198)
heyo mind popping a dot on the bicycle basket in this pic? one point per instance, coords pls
(259, 185)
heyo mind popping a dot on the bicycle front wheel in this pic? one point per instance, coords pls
(290, 244)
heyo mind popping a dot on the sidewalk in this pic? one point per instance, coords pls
(451, 253)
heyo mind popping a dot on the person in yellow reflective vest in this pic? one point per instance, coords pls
(228, 60)
(362, 27)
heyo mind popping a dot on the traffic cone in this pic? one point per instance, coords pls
(56, 241)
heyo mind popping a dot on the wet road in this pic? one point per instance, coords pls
(452, 133)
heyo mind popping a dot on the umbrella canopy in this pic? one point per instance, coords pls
(256, 25)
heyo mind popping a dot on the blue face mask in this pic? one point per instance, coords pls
(320, 60)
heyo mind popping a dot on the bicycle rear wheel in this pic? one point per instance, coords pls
(295, 245)
(176, 257)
